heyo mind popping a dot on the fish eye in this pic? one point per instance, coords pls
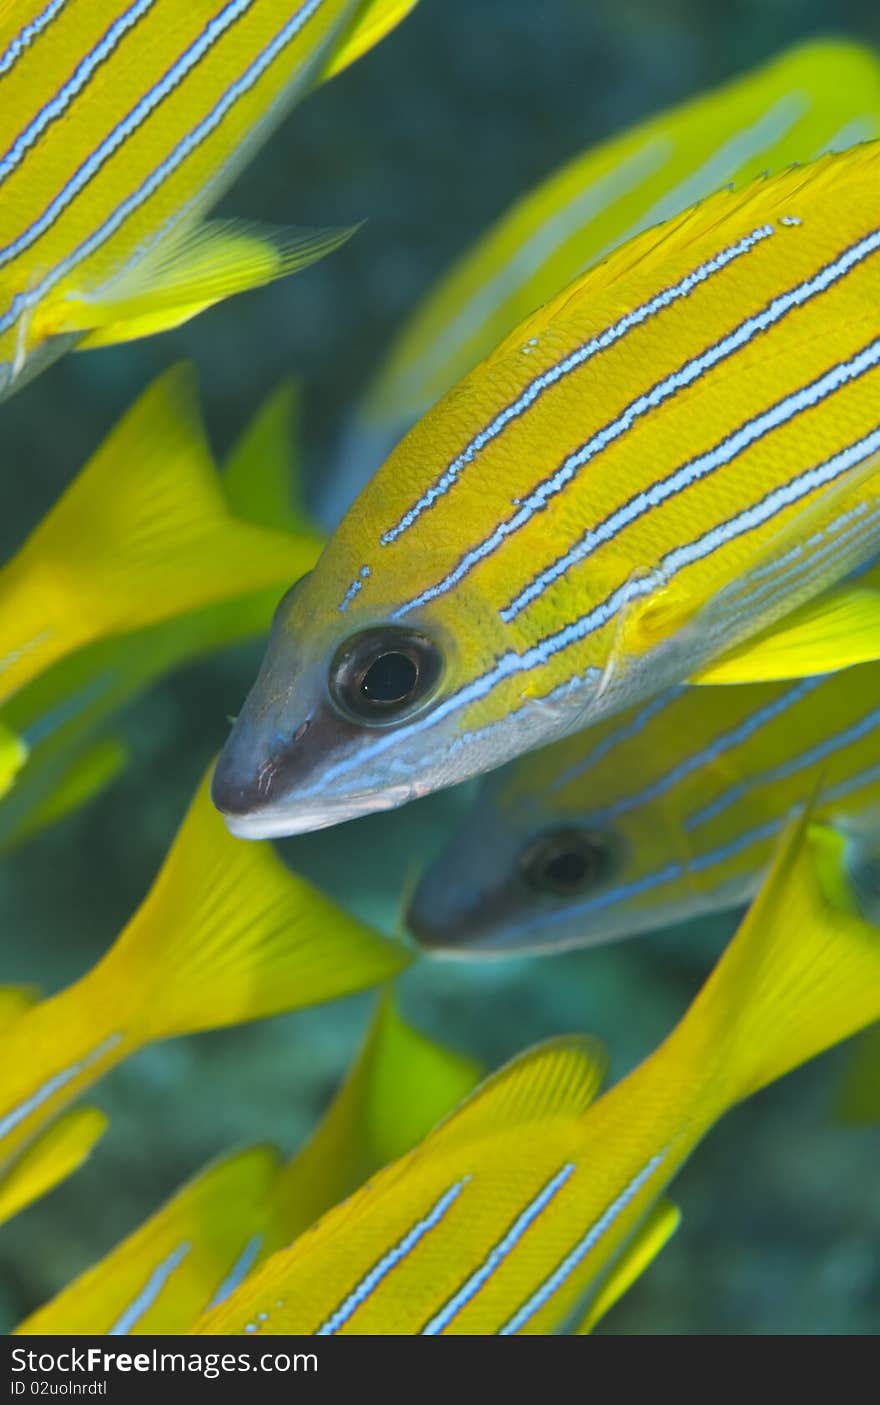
(566, 862)
(384, 675)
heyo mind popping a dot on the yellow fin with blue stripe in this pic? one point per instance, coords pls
(838, 630)
(49, 1160)
(639, 1254)
(212, 262)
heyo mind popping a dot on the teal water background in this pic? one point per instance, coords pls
(430, 138)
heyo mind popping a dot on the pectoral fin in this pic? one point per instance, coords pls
(836, 630)
(189, 274)
(53, 1157)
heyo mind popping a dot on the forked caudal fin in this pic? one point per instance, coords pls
(802, 973)
(226, 934)
(143, 534)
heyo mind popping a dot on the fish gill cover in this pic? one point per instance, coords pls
(696, 366)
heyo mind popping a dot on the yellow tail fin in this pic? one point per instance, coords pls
(802, 973)
(142, 535)
(225, 935)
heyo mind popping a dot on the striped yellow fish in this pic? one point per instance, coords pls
(667, 812)
(677, 451)
(514, 1216)
(202, 1244)
(121, 123)
(820, 96)
(226, 934)
(55, 744)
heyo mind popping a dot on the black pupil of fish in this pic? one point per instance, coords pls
(391, 679)
(569, 869)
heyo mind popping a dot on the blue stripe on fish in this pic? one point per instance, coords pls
(630, 729)
(513, 663)
(696, 469)
(239, 1271)
(170, 80)
(854, 528)
(150, 1291)
(811, 757)
(10, 1120)
(498, 1254)
(368, 1284)
(31, 31)
(662, 391)
(554, 1282)
(721, 745)
(78, 80)
(535, 389)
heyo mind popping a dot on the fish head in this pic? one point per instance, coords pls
(575, 845)
(357, 708)
(374, 691)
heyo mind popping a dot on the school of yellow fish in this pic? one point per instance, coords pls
(623, 539)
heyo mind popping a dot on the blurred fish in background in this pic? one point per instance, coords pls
(659, 816)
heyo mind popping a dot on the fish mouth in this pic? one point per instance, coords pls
(280, 822)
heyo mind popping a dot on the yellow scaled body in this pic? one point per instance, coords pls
(674, 453)
(121, 123)
(818, 97)
(518, 1213)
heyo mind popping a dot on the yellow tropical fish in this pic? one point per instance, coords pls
(821, 96)
(61, 717)
(201, 1245)
(677, 451)
(226, 934)
(516, 1212)
(669, 811)
(122, 122)
(143, 534)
